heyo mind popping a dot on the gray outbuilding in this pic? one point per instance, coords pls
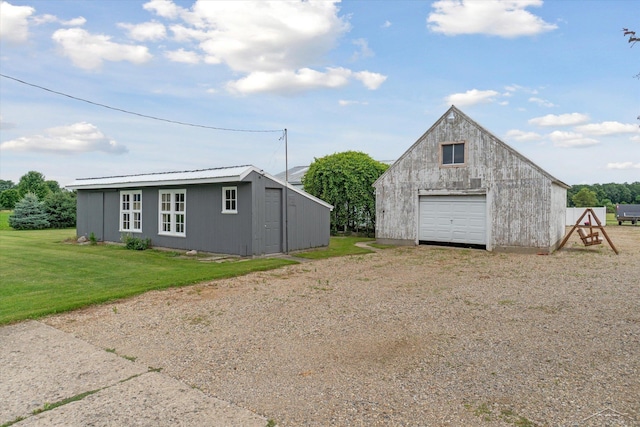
(236, 210)
(459, 184)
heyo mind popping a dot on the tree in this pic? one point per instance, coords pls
(585, 198)
(53, 186)
(61, 209)
(6, 184)
(33, 182)
(345, 180)
(632, 39)
(9, 198)
(29, 214)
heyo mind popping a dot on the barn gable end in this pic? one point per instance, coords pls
(458, 183)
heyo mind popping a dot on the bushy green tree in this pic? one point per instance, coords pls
(6, 184)
(585, 198)
(33, 182)
(29, 214)
(345, 180)
(9, 198)
(61, 209)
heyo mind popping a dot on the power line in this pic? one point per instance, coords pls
(133, 112)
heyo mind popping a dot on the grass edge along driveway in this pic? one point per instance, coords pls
(41, 274)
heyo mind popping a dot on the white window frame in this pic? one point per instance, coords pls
(172, 212)
(233, 201)
(453, 144)
(130, 211)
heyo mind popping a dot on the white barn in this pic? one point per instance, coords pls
(459, 184)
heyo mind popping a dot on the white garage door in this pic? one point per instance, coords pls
(453, 219)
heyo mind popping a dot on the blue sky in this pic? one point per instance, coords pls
(553, 79)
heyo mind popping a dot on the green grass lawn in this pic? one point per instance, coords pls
(41, 274)
(338, 246)
(4, 220)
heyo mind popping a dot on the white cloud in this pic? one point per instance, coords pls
(623, 165)
(386, 24)
(44, 19)
(635, 138)
(184, 56)
(345, 103)
(569, 119)
(267, 42)
(75, 22)
(372, 81)
(269, 35)
(88, 51)
(504, 18)
(471, 97)
(541, 102)
(14, 24)
(522, 136)
(364, 51)
(146, 31)
(571, 140)
(77, 138)
(289, 81)
(163, 8)
(47, 19)
(608, 128)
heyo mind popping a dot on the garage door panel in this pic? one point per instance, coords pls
(453, 219)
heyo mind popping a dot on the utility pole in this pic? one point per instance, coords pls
(286, 194)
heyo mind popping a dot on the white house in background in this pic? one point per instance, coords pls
(460, 184)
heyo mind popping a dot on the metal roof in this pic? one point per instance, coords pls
(201, 176)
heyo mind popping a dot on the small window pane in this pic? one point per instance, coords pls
(458, 153)
(447, 154)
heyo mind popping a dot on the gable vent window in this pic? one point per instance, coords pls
(453, 154)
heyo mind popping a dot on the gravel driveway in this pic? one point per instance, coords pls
(405, 336)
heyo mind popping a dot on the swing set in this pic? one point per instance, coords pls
(586, 231)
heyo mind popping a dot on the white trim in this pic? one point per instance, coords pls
(234, 200)
(172, 214)
(130, 211)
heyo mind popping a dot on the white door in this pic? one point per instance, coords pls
(453, 219)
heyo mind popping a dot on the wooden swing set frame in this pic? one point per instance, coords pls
(593, 237)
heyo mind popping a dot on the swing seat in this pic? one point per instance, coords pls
(589, 239)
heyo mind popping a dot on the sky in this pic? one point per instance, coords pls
(100, 88)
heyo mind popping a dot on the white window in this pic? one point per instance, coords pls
(229, 199)
(173, 212)
(131, 211)
(453, 154)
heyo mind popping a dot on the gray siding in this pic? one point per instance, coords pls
(207, 228)
(523, 203)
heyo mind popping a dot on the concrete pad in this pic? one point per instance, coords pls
(151, 399)
(41, 365)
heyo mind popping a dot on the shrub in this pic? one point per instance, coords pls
(29, 214)
(136, 243)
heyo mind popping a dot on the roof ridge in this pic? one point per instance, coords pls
(163, 173)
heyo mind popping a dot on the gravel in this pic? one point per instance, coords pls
(404, 336)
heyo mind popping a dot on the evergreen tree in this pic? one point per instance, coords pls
(29, 214)
(61, 209)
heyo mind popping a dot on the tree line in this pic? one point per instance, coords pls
(37, 203)
(608, 195)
